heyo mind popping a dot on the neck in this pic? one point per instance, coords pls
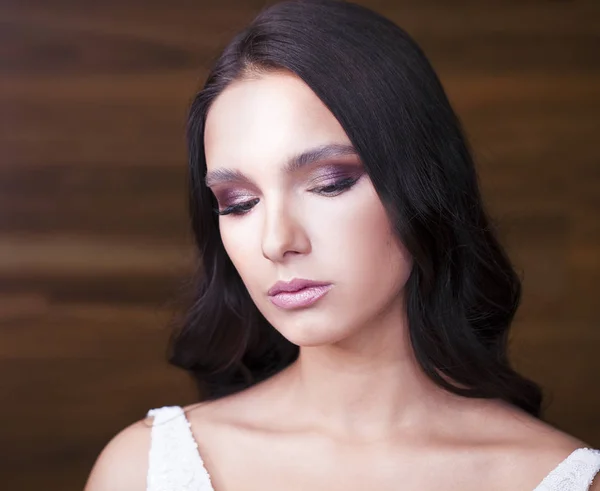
(366, 386)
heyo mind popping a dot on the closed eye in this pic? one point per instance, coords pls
(239, 209)
(336, 188)
(330, 190)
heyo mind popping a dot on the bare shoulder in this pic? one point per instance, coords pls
(254, 406)
(530, 448)
(123, 463)
(213, 417)
(230, 428)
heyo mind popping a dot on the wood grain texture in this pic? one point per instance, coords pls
(93, 227)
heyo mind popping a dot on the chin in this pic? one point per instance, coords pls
(316, 326)
(312, 334)
(311, 341)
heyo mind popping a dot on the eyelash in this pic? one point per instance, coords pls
(332, 190)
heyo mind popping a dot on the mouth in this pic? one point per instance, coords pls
(297, 293)
(301, 298)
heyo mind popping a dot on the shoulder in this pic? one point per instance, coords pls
(253, 407)
(531, 448)
(123, 463)
(226, 427)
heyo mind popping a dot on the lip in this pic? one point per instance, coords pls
(297, 293)
(293, 285)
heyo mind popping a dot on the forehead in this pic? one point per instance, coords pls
(266, 119)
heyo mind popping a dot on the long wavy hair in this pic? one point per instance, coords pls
(462, 292)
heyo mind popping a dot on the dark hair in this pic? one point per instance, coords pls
(462, 292)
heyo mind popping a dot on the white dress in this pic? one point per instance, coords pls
(176, 465)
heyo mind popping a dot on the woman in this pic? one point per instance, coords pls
(349, 329)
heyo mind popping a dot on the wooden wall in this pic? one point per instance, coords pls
(93, 226)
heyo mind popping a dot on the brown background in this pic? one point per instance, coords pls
(93, 226)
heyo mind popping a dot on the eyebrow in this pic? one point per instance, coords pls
(324, 152)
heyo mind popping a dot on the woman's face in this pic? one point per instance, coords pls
(319, 219)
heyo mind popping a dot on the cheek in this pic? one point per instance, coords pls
(364, 250)
(238, 239)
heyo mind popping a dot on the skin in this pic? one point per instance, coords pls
(354, 412)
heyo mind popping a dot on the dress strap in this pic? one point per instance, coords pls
(575, 473)
(174, 461)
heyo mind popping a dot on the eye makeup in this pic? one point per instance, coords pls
(230, 200)
(330, 173)
(320, 154)
(327, 180)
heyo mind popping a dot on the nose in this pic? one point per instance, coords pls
(283, 234)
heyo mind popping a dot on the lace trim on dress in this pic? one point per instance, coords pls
(575, 473)
(174, 461)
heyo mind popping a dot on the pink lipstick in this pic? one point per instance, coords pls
(297, 293)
